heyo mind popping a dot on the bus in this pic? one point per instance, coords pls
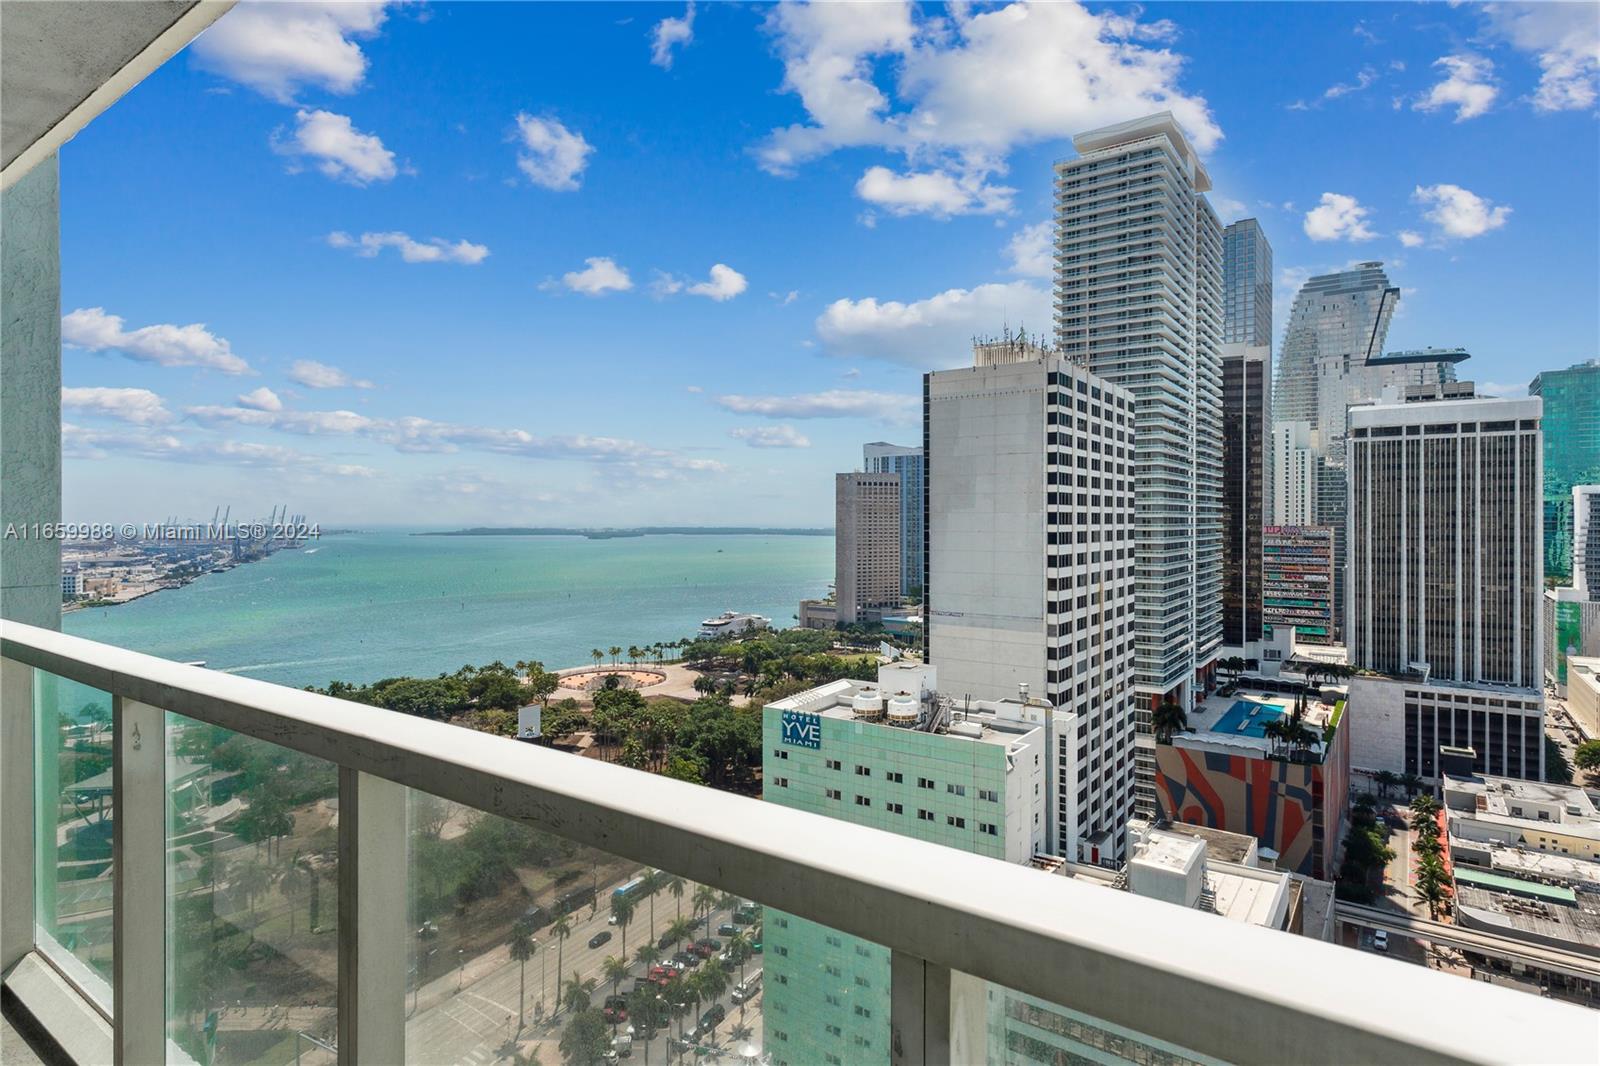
(574, 900)
(630, 892)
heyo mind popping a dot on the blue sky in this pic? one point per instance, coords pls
(450, 263)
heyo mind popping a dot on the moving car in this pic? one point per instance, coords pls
(1380, 940)
(599, 938)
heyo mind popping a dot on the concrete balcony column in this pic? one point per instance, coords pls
(30, 397)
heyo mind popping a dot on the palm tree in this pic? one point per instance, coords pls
(705, 897)
(615, 652)
(712, 980)
(615, 970)
(739, 950)
(597, 655)
(633, 654)
(675, 885)
(522, 947)
(1412, 783)
(295, 882)
(646, 955)
(1167, 719)
(622, 910)
(654, 881)
(577, 993)
(561, 930)
(1386, 782)
(1432, 884)
(250, 879)
(679, 929)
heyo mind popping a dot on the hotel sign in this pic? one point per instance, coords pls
(801, 730)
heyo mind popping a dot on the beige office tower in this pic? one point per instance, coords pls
(866, 557)
(1446, 552)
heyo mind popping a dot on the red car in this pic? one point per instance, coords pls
(706, 948)
(615, 1010)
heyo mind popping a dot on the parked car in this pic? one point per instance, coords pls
(681, 1045)
(707, 947)
(711, 1018)
(622, 1043)
(665, 942)
(603, 936)
(615, 1010)
(1380, 940)
(727, 929)
(687, 960)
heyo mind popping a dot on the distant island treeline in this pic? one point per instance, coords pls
(638, 531)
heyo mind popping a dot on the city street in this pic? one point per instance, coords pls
(469, 1014)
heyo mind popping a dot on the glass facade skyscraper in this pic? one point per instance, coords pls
(1246, 426)
(1246, 284)
(1571, 452)
(1332, 357)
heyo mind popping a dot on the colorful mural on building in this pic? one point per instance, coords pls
(1294, 808)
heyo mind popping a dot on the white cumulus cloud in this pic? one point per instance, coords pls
(956, 90)
(433, 250)
(1411, 238)
(724, 284)
(1468, 86)
(276, 48)
(551, 155)
(934, 332)
(770, 437)
(1565, 40)
(599, 276)
(1338, 218)
(671, 33)
(336, 148)
(1031, 250)
(1460, 213)
(138, 406)
(935, 193)
(262, 399)
(92, 329)
(315, 375)
(834, 403)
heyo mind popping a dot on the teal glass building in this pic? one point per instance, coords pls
(1571, 453)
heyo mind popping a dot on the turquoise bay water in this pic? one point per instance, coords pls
(358, 607)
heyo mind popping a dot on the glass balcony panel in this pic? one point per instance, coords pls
(1002, 1027)
(528, 947)
(252, 899)
(73, 834)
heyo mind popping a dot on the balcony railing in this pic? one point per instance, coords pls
(947, 922)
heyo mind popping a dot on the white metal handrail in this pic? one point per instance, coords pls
(1235, 992)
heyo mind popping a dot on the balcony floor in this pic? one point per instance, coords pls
(14, 1047)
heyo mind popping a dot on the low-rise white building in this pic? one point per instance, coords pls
(1400, 724)
(1583, 694)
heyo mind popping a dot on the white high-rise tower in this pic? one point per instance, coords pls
(1138, 301)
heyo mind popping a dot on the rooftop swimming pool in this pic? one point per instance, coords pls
(1247, 718)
